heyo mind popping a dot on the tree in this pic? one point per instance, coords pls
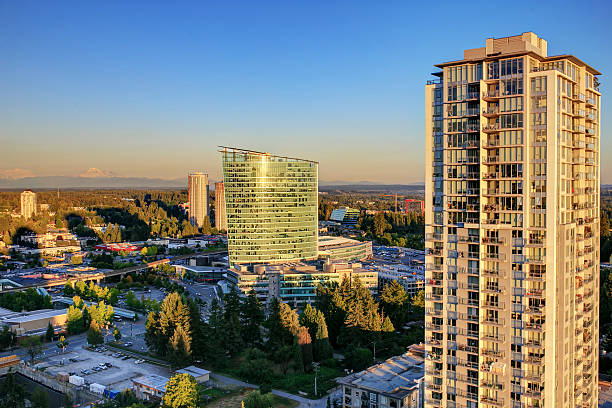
(40, 398)
(33, 345)
(308, 318)
(256, 399)
(67, 400)
(181, 392)
(359, 358)
(418, 302)
(394, 301)
(94, 334)
(50, 332)
(74, 324)
(7, 338)
(180, 347)
(387, 326)
(231, 315)
(116, 333)
(251, 317)
(322, 348)
(63, 343)
(12, 394)
(68, 290)
(380, 224)
(305, 342)
(206, 227)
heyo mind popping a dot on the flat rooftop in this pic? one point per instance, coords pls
(154, 381)
(193, 371)
(395, 377)
(33, 315)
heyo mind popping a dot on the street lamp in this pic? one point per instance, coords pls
(316, 370)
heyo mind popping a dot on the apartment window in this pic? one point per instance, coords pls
(511, 104)
(514, 120)
(512, 86)
(538, 84)
(511, 66)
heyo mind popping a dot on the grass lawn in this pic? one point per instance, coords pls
(233, 399)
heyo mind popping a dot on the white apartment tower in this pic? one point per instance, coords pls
(198, 198)
(512, 229)
(28, 204)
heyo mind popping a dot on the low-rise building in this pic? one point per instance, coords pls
(34, 322)
(412, 278)
(344, 249)
(397, 382)
(150, 387)
(201, 273)
(200, 375)
(295, 283)
(345, 215)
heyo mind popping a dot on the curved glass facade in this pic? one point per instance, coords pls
(271, 207)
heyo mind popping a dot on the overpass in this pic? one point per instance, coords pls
(97, 277)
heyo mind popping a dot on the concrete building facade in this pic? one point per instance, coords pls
(220, 215)
(512, 225)
(28, 204)
(271, 205)
(198, 198)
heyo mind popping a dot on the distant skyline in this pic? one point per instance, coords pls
(149, 89)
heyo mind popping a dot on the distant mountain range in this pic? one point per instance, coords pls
(53, 182)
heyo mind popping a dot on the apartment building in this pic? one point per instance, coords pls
(512, 226)
(198, 198)
(220, 217)
(28, 204)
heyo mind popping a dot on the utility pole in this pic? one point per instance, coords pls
(316, 370)
(374, 355)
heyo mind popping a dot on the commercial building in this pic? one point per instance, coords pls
(51, 239)
(344, 249)
(220, 215)
(295, 283)
(345, 216)
(512, 225)
(398, 382)
(271, 205)
(412, 278)
(28, 204)
(198, 198)
(34, 322)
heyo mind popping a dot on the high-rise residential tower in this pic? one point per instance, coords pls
(512, 228)
(220, 216)
(271, 206)
(198, 198)
(28, 204)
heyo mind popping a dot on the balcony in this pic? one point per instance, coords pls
(491, 96)
(490, 112)
(493, 272)
(536, 327)
(499, 402)
(492, 128)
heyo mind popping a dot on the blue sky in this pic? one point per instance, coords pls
(144, 88)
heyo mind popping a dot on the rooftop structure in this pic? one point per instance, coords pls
(344, 249)
(150, 387)
(199, 374)
(396, 382)
(271, 206)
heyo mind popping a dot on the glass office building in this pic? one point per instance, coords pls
(271, 207)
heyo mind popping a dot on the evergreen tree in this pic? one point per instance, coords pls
(252, 317)
(308, 319)
(322, 349)
(394, 302)
(74, 324)
(40, 398)
(231, 315)
(216, 339)
(12, 394)
(387, 326)
(206, 227)
(50, 332)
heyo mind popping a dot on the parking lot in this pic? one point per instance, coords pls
(108, 367)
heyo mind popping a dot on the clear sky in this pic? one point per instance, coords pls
(144, 88)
